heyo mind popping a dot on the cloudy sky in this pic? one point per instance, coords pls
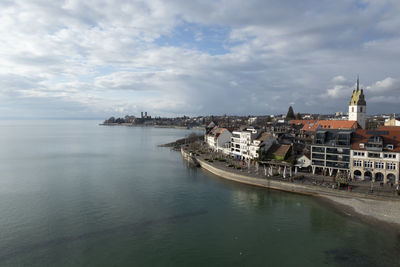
(97, 58)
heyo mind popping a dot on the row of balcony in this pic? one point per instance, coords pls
(331, 157)
(340, 165)
(330, 150)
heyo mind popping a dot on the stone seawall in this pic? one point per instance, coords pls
(372, 208)
(284, 186)
(188, 157)
(279, 185)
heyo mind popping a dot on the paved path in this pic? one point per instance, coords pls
(316, 181)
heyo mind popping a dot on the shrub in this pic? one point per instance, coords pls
(298, 177)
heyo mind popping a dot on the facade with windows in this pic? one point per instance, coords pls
(218, 139)
(241, 142)
(375, 155)
(330, 151)
(261, 144)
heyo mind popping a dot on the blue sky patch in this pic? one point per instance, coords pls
(209, 39)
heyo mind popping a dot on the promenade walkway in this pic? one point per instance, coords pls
(325, 183)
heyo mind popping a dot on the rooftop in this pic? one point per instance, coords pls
(389, 134)
(330, 124)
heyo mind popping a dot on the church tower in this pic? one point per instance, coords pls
(358, 106)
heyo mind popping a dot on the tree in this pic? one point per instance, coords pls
(110, 120)
(290, 114)
(119, 120)
(298, 116)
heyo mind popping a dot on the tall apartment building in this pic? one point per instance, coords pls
(330, 151)
(241, 142)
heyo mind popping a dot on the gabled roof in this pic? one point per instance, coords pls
(279, 150)
(329, 124)
(264, 136)
(216, 131)
(211, 125)
(358, 96)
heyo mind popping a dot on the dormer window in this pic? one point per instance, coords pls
(390, 147)
(361, 145)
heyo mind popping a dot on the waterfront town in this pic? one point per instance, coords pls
(352, 148)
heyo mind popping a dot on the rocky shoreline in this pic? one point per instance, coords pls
(367, 208)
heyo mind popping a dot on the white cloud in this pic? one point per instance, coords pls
(105, 56)
(338, 91)
(384, 86)
(339, 80)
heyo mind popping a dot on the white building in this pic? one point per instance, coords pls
(358, 107)
(252, 120)
(241, 141)
(375, 155)
(392, 122)
(260, 144)
(218, 139)
(303, 162)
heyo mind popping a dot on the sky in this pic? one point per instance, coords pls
(100, 58)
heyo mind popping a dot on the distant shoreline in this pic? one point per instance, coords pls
(154, 126)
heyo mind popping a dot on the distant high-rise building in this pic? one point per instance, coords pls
(358, 106)
(141, 114)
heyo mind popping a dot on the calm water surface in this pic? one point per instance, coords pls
(73, 193)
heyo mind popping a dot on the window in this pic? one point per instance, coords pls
(357, 163)
(374, 155)
(361, 145)
(352, 109)
(389, 147)
(379, 165)
(358, 153)
(391, 166)
(389, 156)
(360, 109)
(368, 164)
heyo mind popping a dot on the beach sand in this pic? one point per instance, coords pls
(385, 213)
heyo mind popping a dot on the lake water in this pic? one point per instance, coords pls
(73, 193)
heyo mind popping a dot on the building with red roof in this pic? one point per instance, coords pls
(375, 154)
(329, 124)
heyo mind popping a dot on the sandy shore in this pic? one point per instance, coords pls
(382, 212)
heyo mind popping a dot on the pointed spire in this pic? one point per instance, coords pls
(358, 82)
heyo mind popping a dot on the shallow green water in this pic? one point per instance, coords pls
(73, 193)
